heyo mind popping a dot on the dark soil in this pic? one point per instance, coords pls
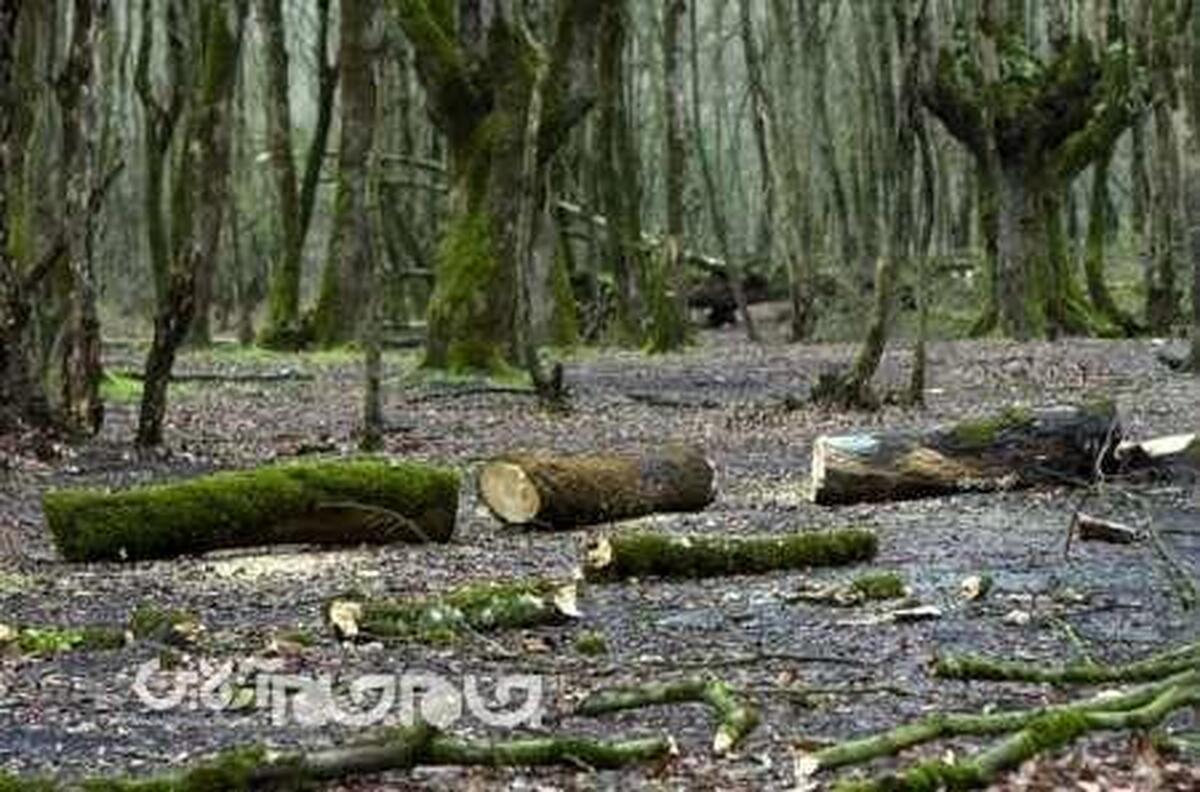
(75, 714)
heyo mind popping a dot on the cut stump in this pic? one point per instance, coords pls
(586, 489)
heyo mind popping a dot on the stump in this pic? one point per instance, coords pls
(586, 489)
(1019, 447)
(345, 502)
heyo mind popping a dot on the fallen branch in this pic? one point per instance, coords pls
(1151, 669)
(735, 718)
(659, 555)
(1095, 529)
(1048, 733)
(285, 375)
(325, 503)
(481, 607)
(585, 489)
(396, 749)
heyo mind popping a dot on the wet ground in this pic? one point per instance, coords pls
(817, 672)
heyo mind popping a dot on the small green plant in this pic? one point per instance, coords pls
(57, 640)
(591, 644)
(120, 389)
(879, 586)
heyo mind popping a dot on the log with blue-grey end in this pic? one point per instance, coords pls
(565, 491)
(1017, 447)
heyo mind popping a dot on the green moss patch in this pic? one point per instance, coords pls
(340, 502)
(59, 640)
(983, 432)
(879, 586)
(591, 644)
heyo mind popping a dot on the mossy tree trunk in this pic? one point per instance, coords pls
(1192, 189)
(668, 314)
(198, 195)
(346, 283)
(1098, 230)
(618, 175)
(478, 67)
(18, 402)
(1035, 128)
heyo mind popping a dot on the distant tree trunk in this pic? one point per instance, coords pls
(618, 175)
(78, 353)
(668, 317)
(1192, 104)
(346, 279)
(1099, 227)
(199, 195)
(712, 188)
(1162, 293)
(295, 207)
(1034, 141)
(761, 115)
(473, 65)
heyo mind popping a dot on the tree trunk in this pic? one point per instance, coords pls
(478, 82)
(1099, 227)
(199, 196)
(668, 313)
(346, 278)
(568, 491)
(80, 404)
(1018, 447)
(330, 503)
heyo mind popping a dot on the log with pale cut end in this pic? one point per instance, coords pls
(586, 489)
(1173, 453)
(1018, 447)
(345, 502)
(636, 555)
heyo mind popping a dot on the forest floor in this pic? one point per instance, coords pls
(816, 672)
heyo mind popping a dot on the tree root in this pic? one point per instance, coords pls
(735, 718)
(256, 768)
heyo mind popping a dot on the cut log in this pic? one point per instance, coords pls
(347, 502)
(657, 555)
(1095, 529)
(1017, 448)
(586, 489)
(1179, 452)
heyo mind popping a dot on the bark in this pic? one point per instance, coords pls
(1019, 447)
(198, 200)
(483, 607)
(735, 718)
(1192, 189)
(346, 278)
(1099, 226)
(335, 503)
(567, 491)
(79, 352)
(1158, 667)
(639, 555)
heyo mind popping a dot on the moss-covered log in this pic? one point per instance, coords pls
(326, 503)
(735, 717)
(585, 489)
(1017, 447)
(256, 768)
(659, 555)
(476, 608)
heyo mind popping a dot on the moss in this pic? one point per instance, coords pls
(11, 783)
(232, 771)
(564, 322)
(164, 625)
(661, 555)
(591, 644)
(879, 585)
(120, 390)
(463, 311)
(983, 432)
(58, 640)
(237, 508)
(484, 607)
